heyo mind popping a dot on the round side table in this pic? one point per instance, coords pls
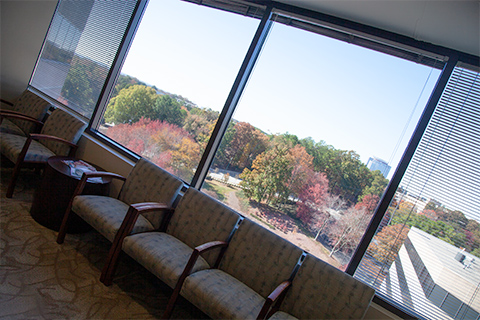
(56, 189)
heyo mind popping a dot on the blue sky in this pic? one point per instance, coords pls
(305, 84)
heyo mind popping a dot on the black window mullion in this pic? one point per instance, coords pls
(402, 166)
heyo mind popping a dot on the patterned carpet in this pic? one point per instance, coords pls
(40, 279)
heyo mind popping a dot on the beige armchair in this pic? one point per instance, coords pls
(146, 183)
(321, 291)
(58, 136)
(29, 106)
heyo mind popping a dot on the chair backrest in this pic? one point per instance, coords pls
(147, 182)
(63, 125)
(259, 258)
(321, 291)
(30, 105)
(199, 219)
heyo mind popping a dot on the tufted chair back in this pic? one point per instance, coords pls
(321, 291)
(148, 182)
(63, 125)
(199, 219)
(30, 105)
(259, 258)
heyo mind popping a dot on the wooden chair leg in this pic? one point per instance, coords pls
(111, 264)
(172, 301)
(63, 227)
(18, 165)
(13, 180)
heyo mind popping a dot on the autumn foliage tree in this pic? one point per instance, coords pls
(165, 144)
(387, 243)
(312, 199)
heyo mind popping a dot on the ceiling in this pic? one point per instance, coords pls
(453, 24)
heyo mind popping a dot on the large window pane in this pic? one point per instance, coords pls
(175, 80)
(314, 112)
(425, 255)
(79, 50)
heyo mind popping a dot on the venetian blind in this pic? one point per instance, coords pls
(425, 257)
(79, 49)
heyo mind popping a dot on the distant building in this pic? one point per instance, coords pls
(378, 164)
(436, 278)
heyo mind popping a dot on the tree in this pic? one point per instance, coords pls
(311, 206)
(185, 157)
(386, 244)
(77, 87)
(269, 172)
(168, 109)
(377, 187)
(131, 104)
(348, 230)
(302, 170)
(246, 143)
(125, 81)
(369, 203)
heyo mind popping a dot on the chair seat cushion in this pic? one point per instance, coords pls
(280, 315)
(162, 254)
(11, 145)
(221, 296)
(106, 215)
(8, 126)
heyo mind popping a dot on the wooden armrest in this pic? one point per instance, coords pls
(6, 102)
(141, 208)
(144, 207)
(210, 245)
(279, 290)
(39, 136)
(17, 115)
(276, 298)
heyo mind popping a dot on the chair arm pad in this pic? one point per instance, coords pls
(282, 287)
(7, 102)
(277, 294)
(210, 245)
(18, 115)
(144, 207)
(38, 136)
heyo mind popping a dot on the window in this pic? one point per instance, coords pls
(431, 230)
(79, 49)
(175, 81)
(314, 111)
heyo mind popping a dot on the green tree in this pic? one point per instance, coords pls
(77, 86)
(125, 81)
(377, 187)
(168, 109)
(269, 172)
(131, 104)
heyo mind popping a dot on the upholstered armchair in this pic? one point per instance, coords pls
(198, 224)
(320, 291)
(255, 262)
(29, 106)
(146, 183)
(58, 136)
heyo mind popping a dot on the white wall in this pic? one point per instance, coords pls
(23, 25)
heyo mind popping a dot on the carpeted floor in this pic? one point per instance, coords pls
(40, 279)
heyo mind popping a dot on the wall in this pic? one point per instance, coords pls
(23, 28)
(23, 25)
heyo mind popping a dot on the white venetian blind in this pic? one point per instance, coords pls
(79, 49)
(425, 257)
